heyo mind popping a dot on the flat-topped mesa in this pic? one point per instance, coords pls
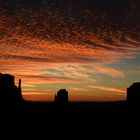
(9, 92)
(62, 96)
(133, 93)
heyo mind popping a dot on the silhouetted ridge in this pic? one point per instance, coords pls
(9, 92)
(133, 93)
(62, 96)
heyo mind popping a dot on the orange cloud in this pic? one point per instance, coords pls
(107, 89)
(78, 89)
(108, 71)
(46, 79)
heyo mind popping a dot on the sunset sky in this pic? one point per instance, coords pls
(89, 47)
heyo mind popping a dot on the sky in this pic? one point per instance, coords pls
(89, 47)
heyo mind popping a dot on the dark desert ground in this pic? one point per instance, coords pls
(24, 119)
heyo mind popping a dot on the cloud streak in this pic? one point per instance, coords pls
(110, 89)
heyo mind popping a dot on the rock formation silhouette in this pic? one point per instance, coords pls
(133, 93)
(62, 96)
(9, 92)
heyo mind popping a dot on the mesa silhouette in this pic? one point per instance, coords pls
(61, 96)
(133, 94)
(9, 92)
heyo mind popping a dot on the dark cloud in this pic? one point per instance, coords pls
(107, 24)
(61, 20)
(21, 58)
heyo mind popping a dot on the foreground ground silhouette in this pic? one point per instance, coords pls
(64, 119)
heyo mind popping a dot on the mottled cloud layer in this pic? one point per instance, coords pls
(74, 31)
(78, 41)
